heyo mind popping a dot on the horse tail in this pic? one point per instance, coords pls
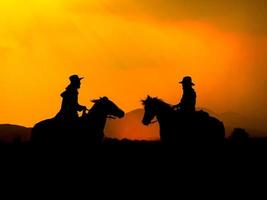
(222, 130)
(40, 131)
(218, 129)
(35, 133)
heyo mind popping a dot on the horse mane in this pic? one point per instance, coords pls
(158, 100)
(101, 99)
(162, 102)
(95, 104)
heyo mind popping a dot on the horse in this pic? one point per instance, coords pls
(177, 127)
(88, 129)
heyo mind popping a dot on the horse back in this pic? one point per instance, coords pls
(45, 131)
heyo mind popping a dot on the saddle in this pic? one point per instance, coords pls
(193, 117)
(201, 113)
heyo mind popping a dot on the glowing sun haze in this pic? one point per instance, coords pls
(128, 49)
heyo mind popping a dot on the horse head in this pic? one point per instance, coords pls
(93, 123)
(108, 108)
(153, 107)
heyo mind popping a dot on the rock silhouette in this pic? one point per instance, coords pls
(239, 136)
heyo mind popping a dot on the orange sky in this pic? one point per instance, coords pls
(128, 49)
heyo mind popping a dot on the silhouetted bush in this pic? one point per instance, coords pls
(239, 136)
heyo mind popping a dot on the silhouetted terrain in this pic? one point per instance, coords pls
(9, 133)
(233, 120)
(130, 129)
(112, 141)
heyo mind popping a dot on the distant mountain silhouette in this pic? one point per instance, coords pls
(10, 132)
(232, 120)
(131, 127)
(257, 127)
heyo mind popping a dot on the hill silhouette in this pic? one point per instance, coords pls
(232, 120)
(256, 127)
(131, 128)
(8, 133)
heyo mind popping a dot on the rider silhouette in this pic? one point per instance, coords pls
(70, 106)
(188, 101)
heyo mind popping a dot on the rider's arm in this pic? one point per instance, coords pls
(177, 106)
(78, 106)
(81, 108)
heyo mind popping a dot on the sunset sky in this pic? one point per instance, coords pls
(127, 49)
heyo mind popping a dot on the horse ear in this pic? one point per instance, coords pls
(148, 97)
(94, 100)
(105, 98)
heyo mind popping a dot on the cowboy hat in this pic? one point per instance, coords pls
(75, 78)
(187, 80)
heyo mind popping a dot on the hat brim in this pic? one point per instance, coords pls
(75, 80)
(190, 83)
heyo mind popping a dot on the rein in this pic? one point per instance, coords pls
(153, 122)
(111, 117)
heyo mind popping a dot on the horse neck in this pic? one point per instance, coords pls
(96, 116)
(165, 120)
(164, 112)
